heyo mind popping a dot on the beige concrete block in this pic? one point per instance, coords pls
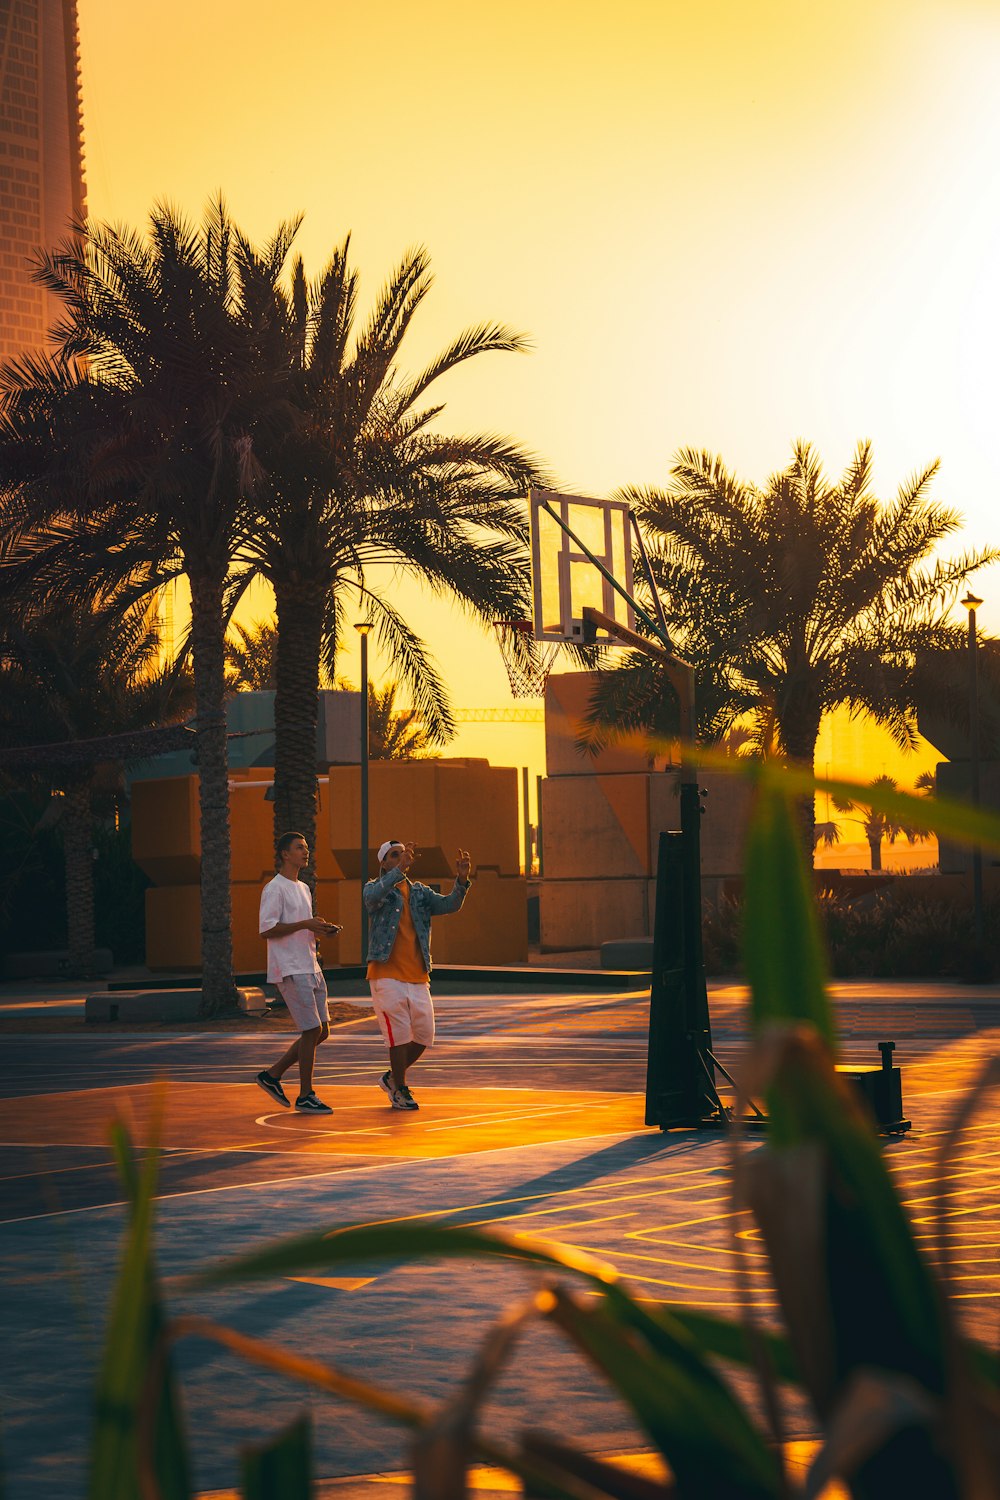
(723, 824)
(173, 926)
(166, 838)
(567, 699)
(587, 913)
(596, 825)
(441, 805)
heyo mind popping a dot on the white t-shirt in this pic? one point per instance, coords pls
(284, 900)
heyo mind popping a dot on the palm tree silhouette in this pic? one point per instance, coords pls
(879, 827)
(794, 600)
(67, 676)
(133, 454)
(395, 733)
(362, 477)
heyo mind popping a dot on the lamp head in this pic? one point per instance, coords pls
(970, 601)
(363, 626)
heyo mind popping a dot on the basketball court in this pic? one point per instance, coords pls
(530, 1121)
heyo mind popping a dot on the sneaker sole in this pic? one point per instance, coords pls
(310, 1109)
(278, 1098)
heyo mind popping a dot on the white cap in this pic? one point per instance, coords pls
(383, 849)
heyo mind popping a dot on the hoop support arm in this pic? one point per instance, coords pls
(680, 674)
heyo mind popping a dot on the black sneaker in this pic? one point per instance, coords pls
(273, 1087)
(310, 1105)
(397, 1096)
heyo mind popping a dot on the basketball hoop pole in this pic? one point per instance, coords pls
(681, 1066)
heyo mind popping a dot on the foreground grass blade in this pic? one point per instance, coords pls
(401, 1237)
(729, 1340)
(682, 1405)
(946, 816)
(781, 942)
(884, 1305)
(134, 1329)
(538, 1477)
(282, 1468)
(668, 1355)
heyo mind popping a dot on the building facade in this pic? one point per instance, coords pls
(41, 156)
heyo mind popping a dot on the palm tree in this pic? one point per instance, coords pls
(878, 826)
(796, 599)
(395, 733)
(360, 479)
(133, 453)
(68, 678)
(250, 657)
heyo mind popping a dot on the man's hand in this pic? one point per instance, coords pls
(407, 857)
(463, 866)
(322, 928)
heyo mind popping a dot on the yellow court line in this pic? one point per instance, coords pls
(644, 1260)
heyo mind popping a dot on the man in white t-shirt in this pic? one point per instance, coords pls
(288, 924)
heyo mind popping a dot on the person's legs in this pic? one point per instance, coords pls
(392, 1009)
(308, 1042)
(287, 1059)
(306, 998)
(420, 1014)
(401, 1058)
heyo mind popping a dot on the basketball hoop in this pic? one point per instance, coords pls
(527, 661)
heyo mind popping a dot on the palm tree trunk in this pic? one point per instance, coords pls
(798, 728)
(296, 705)
(78, 859)
(875, 845)
(207, 638)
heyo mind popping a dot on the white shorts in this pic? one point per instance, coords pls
(405, 1012)
(305, 995)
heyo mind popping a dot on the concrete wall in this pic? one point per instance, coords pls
(442, 805)
(602, 817)
(954, 779)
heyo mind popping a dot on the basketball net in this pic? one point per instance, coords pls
(526, 673)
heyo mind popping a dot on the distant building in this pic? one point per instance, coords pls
(41, 156)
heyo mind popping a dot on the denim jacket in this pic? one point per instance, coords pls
(384, 905)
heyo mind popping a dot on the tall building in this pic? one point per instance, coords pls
(41, 156)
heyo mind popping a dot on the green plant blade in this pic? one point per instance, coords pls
(885, 1309)
(945, 816)
(134, 1330)
(730, 1340)
(682, 1405)
(280, 1469)
(669, 1355)
(399, 1238)
(782, 944)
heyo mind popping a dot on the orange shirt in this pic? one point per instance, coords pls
(405, 962)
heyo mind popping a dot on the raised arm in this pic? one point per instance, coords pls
(375, 892)
(438, 904)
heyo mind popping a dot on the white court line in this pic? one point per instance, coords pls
(379, 1166)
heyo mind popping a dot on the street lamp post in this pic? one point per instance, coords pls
(971, 603)
(363, 627)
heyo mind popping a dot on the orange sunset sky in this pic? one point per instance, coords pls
(722, 222)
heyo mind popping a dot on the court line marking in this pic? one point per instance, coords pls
(382, 1164)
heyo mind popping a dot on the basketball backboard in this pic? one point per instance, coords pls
(565, 580)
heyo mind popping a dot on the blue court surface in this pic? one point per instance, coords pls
(531, 1119)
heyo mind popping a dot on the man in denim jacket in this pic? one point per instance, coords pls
(399, 958)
